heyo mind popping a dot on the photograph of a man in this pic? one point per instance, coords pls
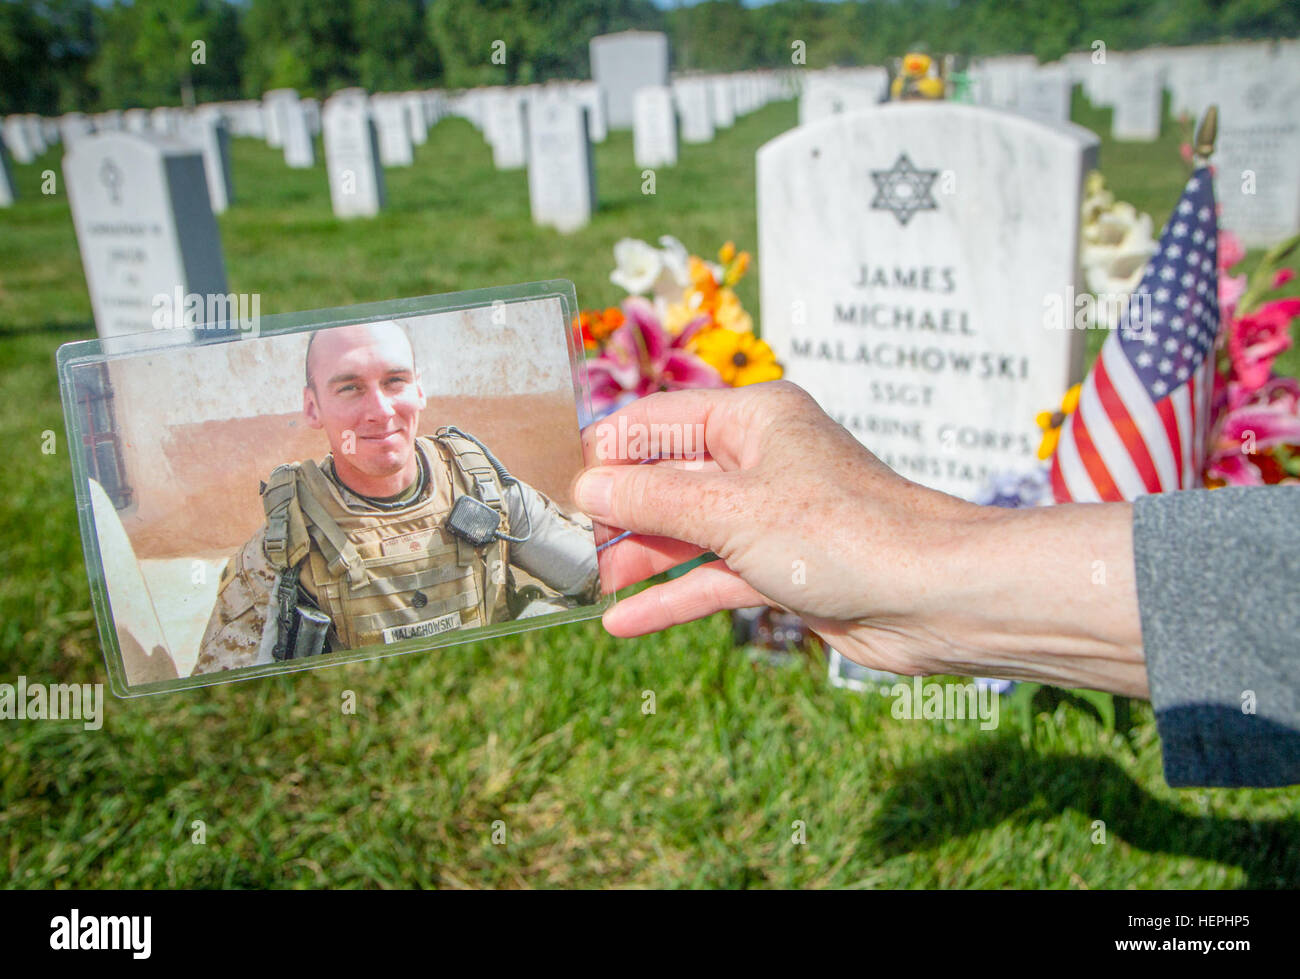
(393, 535)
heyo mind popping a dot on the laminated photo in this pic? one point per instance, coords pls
(337, 485)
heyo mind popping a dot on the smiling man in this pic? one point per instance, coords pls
(393, 535)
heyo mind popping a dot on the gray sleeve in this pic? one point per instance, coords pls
(559, 551)
(1218, 573)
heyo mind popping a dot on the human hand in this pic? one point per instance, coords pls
(801, 516)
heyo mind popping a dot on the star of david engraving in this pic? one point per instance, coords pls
(903, 189)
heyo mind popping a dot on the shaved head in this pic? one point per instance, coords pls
(346, 337)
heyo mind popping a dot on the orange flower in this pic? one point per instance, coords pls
(596, 325)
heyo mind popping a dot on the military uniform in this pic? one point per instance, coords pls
(385, 575)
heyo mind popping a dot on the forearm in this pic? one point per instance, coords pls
(1048, 595)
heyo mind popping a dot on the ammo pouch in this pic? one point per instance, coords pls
(301, 630)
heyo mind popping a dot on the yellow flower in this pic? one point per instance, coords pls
(1051, 421)
(727, 253)
(741, 358)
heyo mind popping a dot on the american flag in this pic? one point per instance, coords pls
(1141, 423)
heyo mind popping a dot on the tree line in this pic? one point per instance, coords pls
(61, 55)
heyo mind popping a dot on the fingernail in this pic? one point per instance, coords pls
(595, 491)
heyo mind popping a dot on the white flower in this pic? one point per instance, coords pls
(675, 274)
(1115, 251)
(638, 266)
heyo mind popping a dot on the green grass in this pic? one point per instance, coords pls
(543, 731)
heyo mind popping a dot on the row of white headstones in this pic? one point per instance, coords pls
(143, 199)
(364, 133)
(910, 255)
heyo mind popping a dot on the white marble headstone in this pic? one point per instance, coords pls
(1136, 94)
(1257, 154)
(417, 117)
(692, 98)
(654, 134)
(561, 177)
(271, 115)
(1045, 93)
(136, 120)
(163, 120)
(144, 225)
(208, 132)
(624, 62)
(722, 103)
(908, 258)
(395, 147)
(831, 94)
(18, 139)
(352, 156)
(8, 190)
(295, 133)
(73, 126)
(505, 129)
(592, 97)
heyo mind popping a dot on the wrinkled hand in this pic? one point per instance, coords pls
(800, 515)
(893, 575)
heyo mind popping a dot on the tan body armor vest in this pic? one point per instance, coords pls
(387, 577)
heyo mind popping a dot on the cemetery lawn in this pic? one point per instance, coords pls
(545, 731)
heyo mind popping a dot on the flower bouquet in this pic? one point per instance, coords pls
(1254, 433)
(681, 326)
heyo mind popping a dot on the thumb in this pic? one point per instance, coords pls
(659, 500)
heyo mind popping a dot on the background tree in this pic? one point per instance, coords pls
(45, 54)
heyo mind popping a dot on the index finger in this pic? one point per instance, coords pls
(692, 425)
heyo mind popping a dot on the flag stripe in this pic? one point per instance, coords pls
(1126, 428)
(1182, 403)
(1110, 448)
(1078, 484)
(1129, 388)
(1092, 462)
(1167, 419)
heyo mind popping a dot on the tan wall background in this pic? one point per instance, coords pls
(202, 425)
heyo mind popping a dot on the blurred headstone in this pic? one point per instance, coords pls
(561, 175)
(207, 130)
(654, 136)
(692, 98)
(390, 114)
(8, 189)
(145, 227)
(352, 155)
(1137, 97)
(1257, 154)
(624, 62)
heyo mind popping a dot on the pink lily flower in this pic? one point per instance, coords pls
(641, 357)
(1254, 341)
